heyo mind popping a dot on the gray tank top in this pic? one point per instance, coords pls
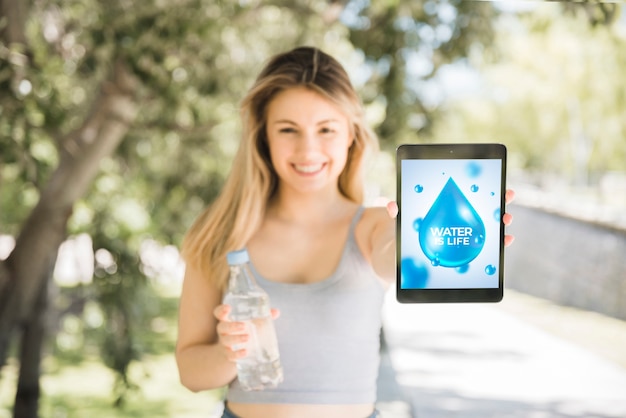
(328, 335)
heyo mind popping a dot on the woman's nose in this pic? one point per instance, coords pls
(308, 141)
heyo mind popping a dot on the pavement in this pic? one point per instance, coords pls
(522, 357)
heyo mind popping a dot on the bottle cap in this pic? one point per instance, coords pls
(237, 257)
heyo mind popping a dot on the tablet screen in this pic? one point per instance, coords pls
(450, 230)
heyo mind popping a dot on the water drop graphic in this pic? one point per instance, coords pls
(496, 214)
(419, 188)
(462, 269)
(451, 234)
(473, 169)
(474, 188)
(490, 269)
(417, 223)
(414, 274)
(493, 193)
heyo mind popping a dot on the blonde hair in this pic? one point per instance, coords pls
(236, 214)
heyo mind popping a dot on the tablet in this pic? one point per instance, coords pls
(450, 234)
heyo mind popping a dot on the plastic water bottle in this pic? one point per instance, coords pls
(260, 368)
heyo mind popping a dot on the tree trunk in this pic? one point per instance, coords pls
(25, 270)
(28, 388)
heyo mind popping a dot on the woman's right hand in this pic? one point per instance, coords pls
(233, 335)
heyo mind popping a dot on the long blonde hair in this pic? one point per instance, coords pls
(236, 214)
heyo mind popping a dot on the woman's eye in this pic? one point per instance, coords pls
(326, 131)
(287, 130)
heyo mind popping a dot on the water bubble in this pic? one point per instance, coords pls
(418, 188)
(414, 274)
(474, 188)
(496, 214)
(417, 223)
(462, 269)
(490, 269)
(447, 231)
(473, 169)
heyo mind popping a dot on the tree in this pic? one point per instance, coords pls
(405, 45)
(555, 95)
(25, 274)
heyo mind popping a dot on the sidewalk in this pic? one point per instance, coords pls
(523, 357)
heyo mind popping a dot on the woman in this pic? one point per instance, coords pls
(294, 201)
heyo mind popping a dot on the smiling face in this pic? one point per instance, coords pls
(308, 138)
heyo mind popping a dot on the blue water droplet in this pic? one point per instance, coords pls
(414, 274)
(448, 232)
(473, 169)
(496, 214)
(493, 193)
(417, 223)
(462, 269)
(490, 269)
(418, 188)
(474, 188)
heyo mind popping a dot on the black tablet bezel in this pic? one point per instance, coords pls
(449, 151)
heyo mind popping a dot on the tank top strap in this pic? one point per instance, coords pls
(355, 220)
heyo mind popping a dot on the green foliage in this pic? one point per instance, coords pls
(555, 96)
(405, 44)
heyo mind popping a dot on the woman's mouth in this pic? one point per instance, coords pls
(308, 168)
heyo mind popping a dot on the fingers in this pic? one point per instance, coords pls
(507, 219)
(232, 335)
(509, 196)
(392, 209)
(221, 312)
(275, 313)
(508, 240)
(226, 329)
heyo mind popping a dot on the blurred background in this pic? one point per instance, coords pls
(119, 120)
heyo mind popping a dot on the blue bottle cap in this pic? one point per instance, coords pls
(237, 257)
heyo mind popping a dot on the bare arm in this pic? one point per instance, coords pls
(203, 349)
(383, 243)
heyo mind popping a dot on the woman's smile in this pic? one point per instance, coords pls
(309, 169)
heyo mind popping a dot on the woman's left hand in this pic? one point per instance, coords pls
(507, 218)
